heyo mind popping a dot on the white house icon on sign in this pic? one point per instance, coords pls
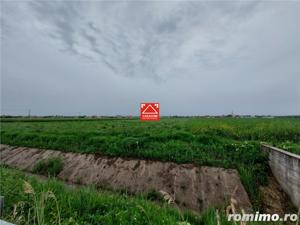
(150, 109)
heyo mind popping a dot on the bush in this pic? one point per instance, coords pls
(48, 167)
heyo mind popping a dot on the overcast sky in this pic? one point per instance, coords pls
(195, 58)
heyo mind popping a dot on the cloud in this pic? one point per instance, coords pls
(149, 39)
(235, 49)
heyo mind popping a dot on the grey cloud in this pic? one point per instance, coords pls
(132, 47)
(208, 56)
(60, 15)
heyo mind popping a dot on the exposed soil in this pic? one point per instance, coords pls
(192, 187)
(274, 199)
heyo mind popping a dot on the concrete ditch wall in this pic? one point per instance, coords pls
(286, 169)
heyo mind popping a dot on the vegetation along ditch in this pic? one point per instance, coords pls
(219, 142)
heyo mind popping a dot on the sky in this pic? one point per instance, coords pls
(106, 57)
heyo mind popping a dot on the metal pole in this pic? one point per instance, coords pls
(1, 205)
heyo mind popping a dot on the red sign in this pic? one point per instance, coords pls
(149, 111)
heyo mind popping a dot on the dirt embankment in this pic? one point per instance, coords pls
(192, 187)
(274, 199)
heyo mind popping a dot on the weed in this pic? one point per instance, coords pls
(29, 201)
(48, 167)
(222, 142)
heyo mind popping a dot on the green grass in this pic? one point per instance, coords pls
(224, 142)
(48, 167)
(30, 201)
(80, 205)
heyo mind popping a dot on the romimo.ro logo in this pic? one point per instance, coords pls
(253, 217)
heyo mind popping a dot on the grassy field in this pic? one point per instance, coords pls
(30, 201)
(224, 142)
(52, 203)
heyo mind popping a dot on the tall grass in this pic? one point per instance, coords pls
(29, 201)
(229, 143)
(38, 207)
(48, 167)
